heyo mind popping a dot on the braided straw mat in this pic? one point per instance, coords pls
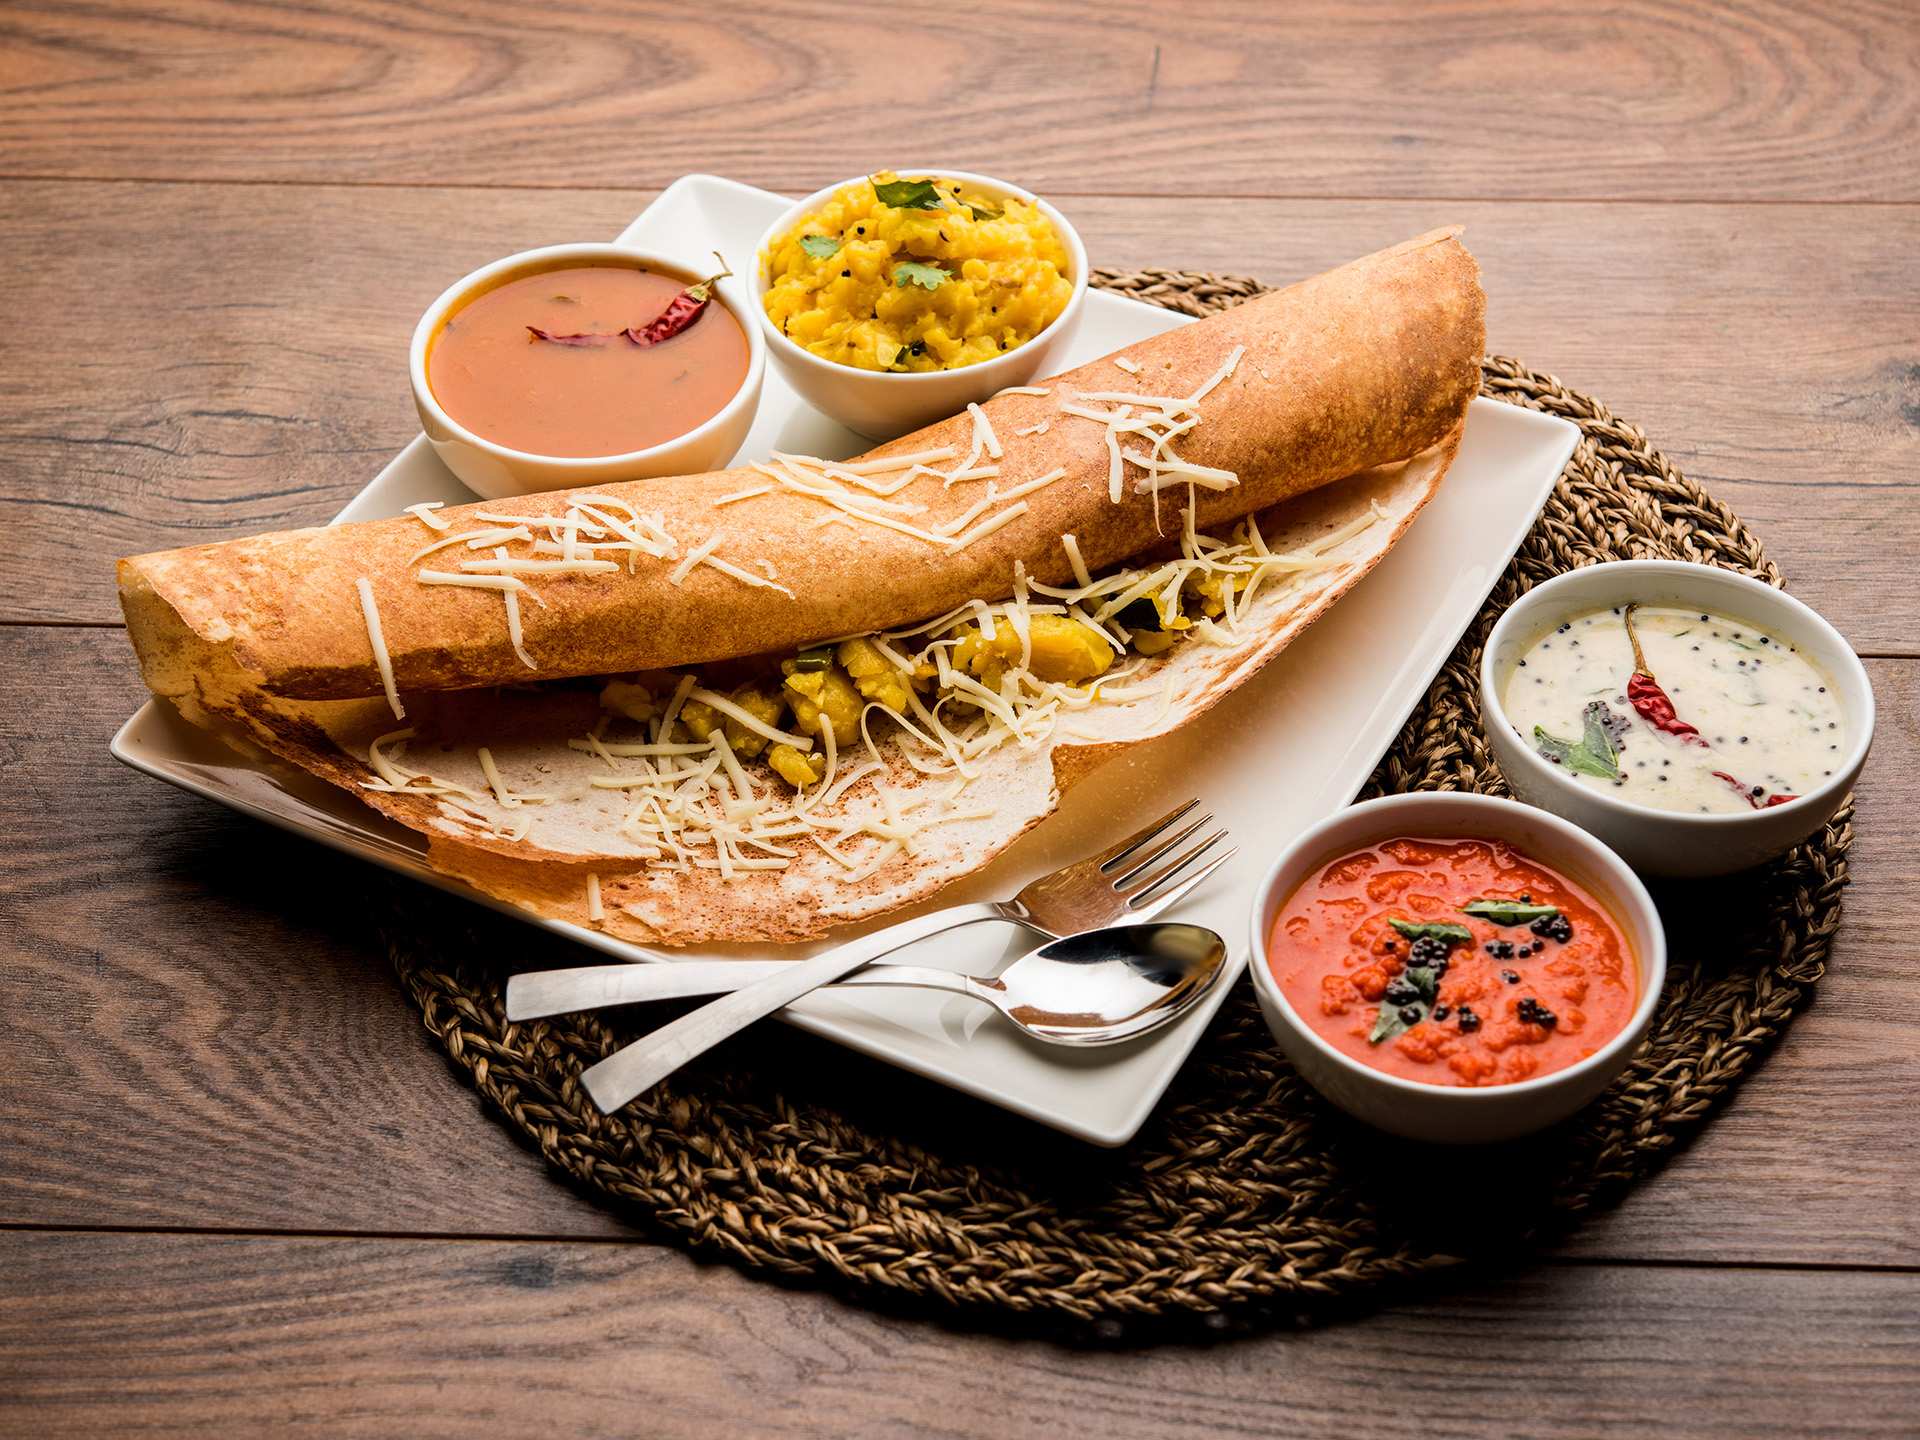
(1245, 1200)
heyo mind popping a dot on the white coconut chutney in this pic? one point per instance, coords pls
(1768, 723)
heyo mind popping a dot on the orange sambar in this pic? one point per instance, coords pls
(1506, 1002)
(493, 374)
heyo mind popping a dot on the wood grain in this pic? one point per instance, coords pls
(216, 1041)
(197, 1334)
(206, 1033)
(269, 388)
(1658, 99)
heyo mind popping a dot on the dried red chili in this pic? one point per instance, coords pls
(1648, 699)
(681, 312)
(586, 337)
(679, 316)
(1751, 796)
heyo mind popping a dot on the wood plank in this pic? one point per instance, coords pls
(201, 1334)
(207, 1037)
(204, 1032)
(272, 386)
(1748, 99)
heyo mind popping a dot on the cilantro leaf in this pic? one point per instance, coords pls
(912, 272)
(907, 194)
(821, 247)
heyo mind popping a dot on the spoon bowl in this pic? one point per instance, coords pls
(1105, 986)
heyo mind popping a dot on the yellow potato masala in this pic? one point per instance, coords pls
(913, 275)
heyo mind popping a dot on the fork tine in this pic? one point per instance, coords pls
(1161, 849)
(1126, 847)
(1145, 901)
(1174, 866)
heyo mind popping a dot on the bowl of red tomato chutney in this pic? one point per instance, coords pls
(580, 364)
(1456, 968)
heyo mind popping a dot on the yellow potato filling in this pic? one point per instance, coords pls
(940, 278)
(828, 689)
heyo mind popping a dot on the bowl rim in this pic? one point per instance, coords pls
(789, 351)
(435, 314)
(1626, 892)
(1822, 800)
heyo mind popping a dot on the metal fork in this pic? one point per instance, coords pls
(1128, 883)
(1113, 887)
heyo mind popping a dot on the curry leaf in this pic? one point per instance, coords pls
(1598, 735)
(821, 247)
(1509, 912)
(1387, 1024)
(1449, 934)
(912, 272)
(984, 212)
(1392, 1020)
(907, 194)
(1593, 754)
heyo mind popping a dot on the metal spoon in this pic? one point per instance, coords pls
(1095, 988)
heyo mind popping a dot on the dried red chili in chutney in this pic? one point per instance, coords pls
(1505, 1003)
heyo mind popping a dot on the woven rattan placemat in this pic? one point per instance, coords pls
(1245, 1198)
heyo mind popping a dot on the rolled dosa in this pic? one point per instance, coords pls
(1334, 411)
(569, 858)
(1363, 366)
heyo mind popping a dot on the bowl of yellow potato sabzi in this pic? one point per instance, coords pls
(896, 299)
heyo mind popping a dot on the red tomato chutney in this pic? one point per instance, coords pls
(1455, 962)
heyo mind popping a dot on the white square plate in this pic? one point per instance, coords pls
(1287, 748)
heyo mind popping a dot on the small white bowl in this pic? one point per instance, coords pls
(1459, 1114)
(1669, 842)
(881, 405)
(494, 471)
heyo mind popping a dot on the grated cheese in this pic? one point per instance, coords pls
(503, 566)
(694, 556)
(983, 431)
(507, 798)
(423, 512)
(473, 539)
(382, 661)
(749, 719)
(1071, 545)
(515, 636)
(989, 525)
(745, 577)
(472, 582)
(899, 462)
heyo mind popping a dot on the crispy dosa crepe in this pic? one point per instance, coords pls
(1343, 403)
(1363, 366)
(545, 866)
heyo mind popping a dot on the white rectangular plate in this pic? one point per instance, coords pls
(1287, 748)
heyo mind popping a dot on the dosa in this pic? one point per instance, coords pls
(1327, 416)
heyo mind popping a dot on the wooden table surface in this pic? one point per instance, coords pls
(238, 1188)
